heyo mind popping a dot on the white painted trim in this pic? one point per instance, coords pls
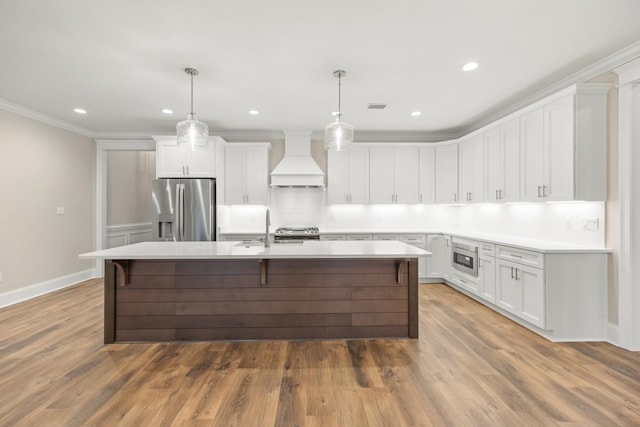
(628, 269)
(128, 232)
(38, 289)
(102, 146)
(43, 118)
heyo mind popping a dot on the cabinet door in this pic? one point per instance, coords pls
(476, 187)
(508, 294)
(257, 175)
(493, 164)
(235, 191)
(487, 276)
(531, 281)
(358, 175)
(511, 148)
(406, 175)
(531, 156)
(446, 263)
(201, 161)
(381, 188)
(435, 263)
(427, 175)
(465, 170)
(447, 173)
(337, 170)
(170, 159)
(558, 149)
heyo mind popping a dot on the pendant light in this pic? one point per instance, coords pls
(192, 131)
(338, 135)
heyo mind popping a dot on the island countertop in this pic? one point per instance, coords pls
(238, 250)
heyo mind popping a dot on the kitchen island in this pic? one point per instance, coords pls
(200, 291)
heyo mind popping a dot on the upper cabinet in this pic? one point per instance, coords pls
(447, 173)
(427, 175)
(564, 147)
(348, 176)
(246, 174)
(502, 162)
(394, 175)
(174, 161)
(471, 169)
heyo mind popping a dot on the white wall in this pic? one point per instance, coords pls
(42, 168)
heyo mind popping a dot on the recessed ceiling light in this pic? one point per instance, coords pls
(80, 110)
(167, 111)
(470, 66)
(416, 113)
(254, 112)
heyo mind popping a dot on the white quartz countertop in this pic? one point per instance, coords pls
(238, 250)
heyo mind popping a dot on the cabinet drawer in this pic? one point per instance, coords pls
(385, 237)
(464, 280)
(333, 237)
(488, 249)
(359, 237)
(521, 256)
(413, 239)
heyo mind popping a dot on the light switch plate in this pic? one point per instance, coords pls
(590, 224)
(60, 210)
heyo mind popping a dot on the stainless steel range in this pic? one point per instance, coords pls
(296, 234)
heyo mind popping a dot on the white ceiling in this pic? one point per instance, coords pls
(123, 60)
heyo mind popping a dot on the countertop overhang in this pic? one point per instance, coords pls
(239, 250)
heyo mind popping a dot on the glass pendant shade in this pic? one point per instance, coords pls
(192, 132)
(338, 136)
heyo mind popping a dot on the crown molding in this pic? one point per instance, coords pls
(43, 118)
(609, 63)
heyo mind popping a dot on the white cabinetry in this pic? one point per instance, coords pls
(520, 288)
(447, 173)
(448, 256)
(471, 169)
(247, 174)
(435, 264)
(502, 162)
(348, 176)
(184, 161)
(427, 175)
(393, 174)
(417, 240)
(487, 278)
(564, 147)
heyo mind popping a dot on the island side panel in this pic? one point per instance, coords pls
(413, 298)
(109, 301)
(302, 299)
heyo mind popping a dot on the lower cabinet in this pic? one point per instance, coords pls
(417, 240)
(520, 291)
(487, 278)
(435, 264)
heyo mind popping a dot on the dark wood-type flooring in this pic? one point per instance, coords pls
(470, 367)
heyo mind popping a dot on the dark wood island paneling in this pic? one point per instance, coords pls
(199, 300)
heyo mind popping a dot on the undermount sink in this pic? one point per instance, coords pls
(250, 243)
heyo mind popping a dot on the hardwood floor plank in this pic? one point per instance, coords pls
(470, 367)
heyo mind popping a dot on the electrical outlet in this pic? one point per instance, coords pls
(60, 210)
(568, 223)
(590, 224)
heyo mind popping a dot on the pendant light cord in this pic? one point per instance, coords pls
(191, 93)
(339, 97)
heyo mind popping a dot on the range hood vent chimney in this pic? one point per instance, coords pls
(297, 168)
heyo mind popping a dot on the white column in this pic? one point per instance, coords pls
(629, 199)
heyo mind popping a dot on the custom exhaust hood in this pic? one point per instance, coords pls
(297, 168)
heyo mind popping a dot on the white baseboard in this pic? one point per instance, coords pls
(28, 292)
(613, 334)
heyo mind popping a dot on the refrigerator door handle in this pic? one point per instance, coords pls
(181, 209)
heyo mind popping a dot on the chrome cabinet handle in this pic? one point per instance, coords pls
(539, 190)
(512, 272)
(544, 191)
(420, 198)
(455, 197)
(496, 194)
(516, 255)
(517, 278)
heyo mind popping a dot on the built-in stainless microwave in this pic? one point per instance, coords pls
(465, 258)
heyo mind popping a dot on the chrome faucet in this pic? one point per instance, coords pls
(266, 232)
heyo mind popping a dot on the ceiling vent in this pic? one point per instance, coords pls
(374, 106)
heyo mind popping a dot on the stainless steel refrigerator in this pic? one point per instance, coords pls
(185, 208)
